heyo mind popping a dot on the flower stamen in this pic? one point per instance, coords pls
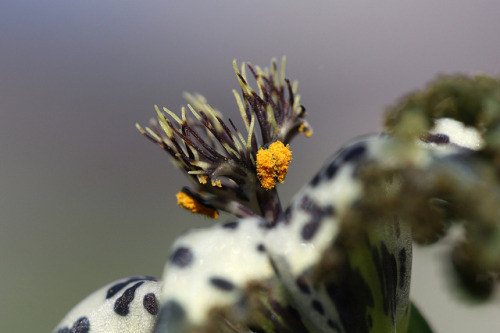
(229, 169)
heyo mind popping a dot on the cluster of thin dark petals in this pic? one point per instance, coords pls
(221, 160)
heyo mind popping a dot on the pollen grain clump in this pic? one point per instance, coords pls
(187, 202)
(307, 131)
(272, 164)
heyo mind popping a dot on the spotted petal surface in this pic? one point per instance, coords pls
(367, 292)
(126, 305)
(336, 277)
(309, 272)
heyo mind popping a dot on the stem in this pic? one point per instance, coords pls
(270, 205)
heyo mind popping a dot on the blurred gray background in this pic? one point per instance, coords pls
(86, 199)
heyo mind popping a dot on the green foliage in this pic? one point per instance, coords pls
(418, 324)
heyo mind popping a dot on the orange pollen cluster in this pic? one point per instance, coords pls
(305, 130)
(272, 164)
(187, 202)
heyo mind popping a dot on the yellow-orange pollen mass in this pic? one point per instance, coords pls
(187, 202)
(272, 164)
(305, 130)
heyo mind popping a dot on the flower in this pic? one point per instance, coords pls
(341, 259)
(235, 172)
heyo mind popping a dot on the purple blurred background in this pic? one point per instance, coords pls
(86, 200)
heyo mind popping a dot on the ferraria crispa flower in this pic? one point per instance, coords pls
(338, 259)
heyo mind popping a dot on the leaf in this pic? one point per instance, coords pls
(418, 324)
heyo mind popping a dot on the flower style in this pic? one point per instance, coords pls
(235, 172)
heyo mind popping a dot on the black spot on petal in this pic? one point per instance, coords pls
(439, 139)
(122, 303)
(309, 230)
(328, 210)
(308, 205)
(82, 325)
(222, 284)
(261, 248)
(230, 225)
(119, 286)
(354, 153)
(182, 257)
(331, 171)
(318, 307)
(150, 303)
(302, 285)
(315, 181)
